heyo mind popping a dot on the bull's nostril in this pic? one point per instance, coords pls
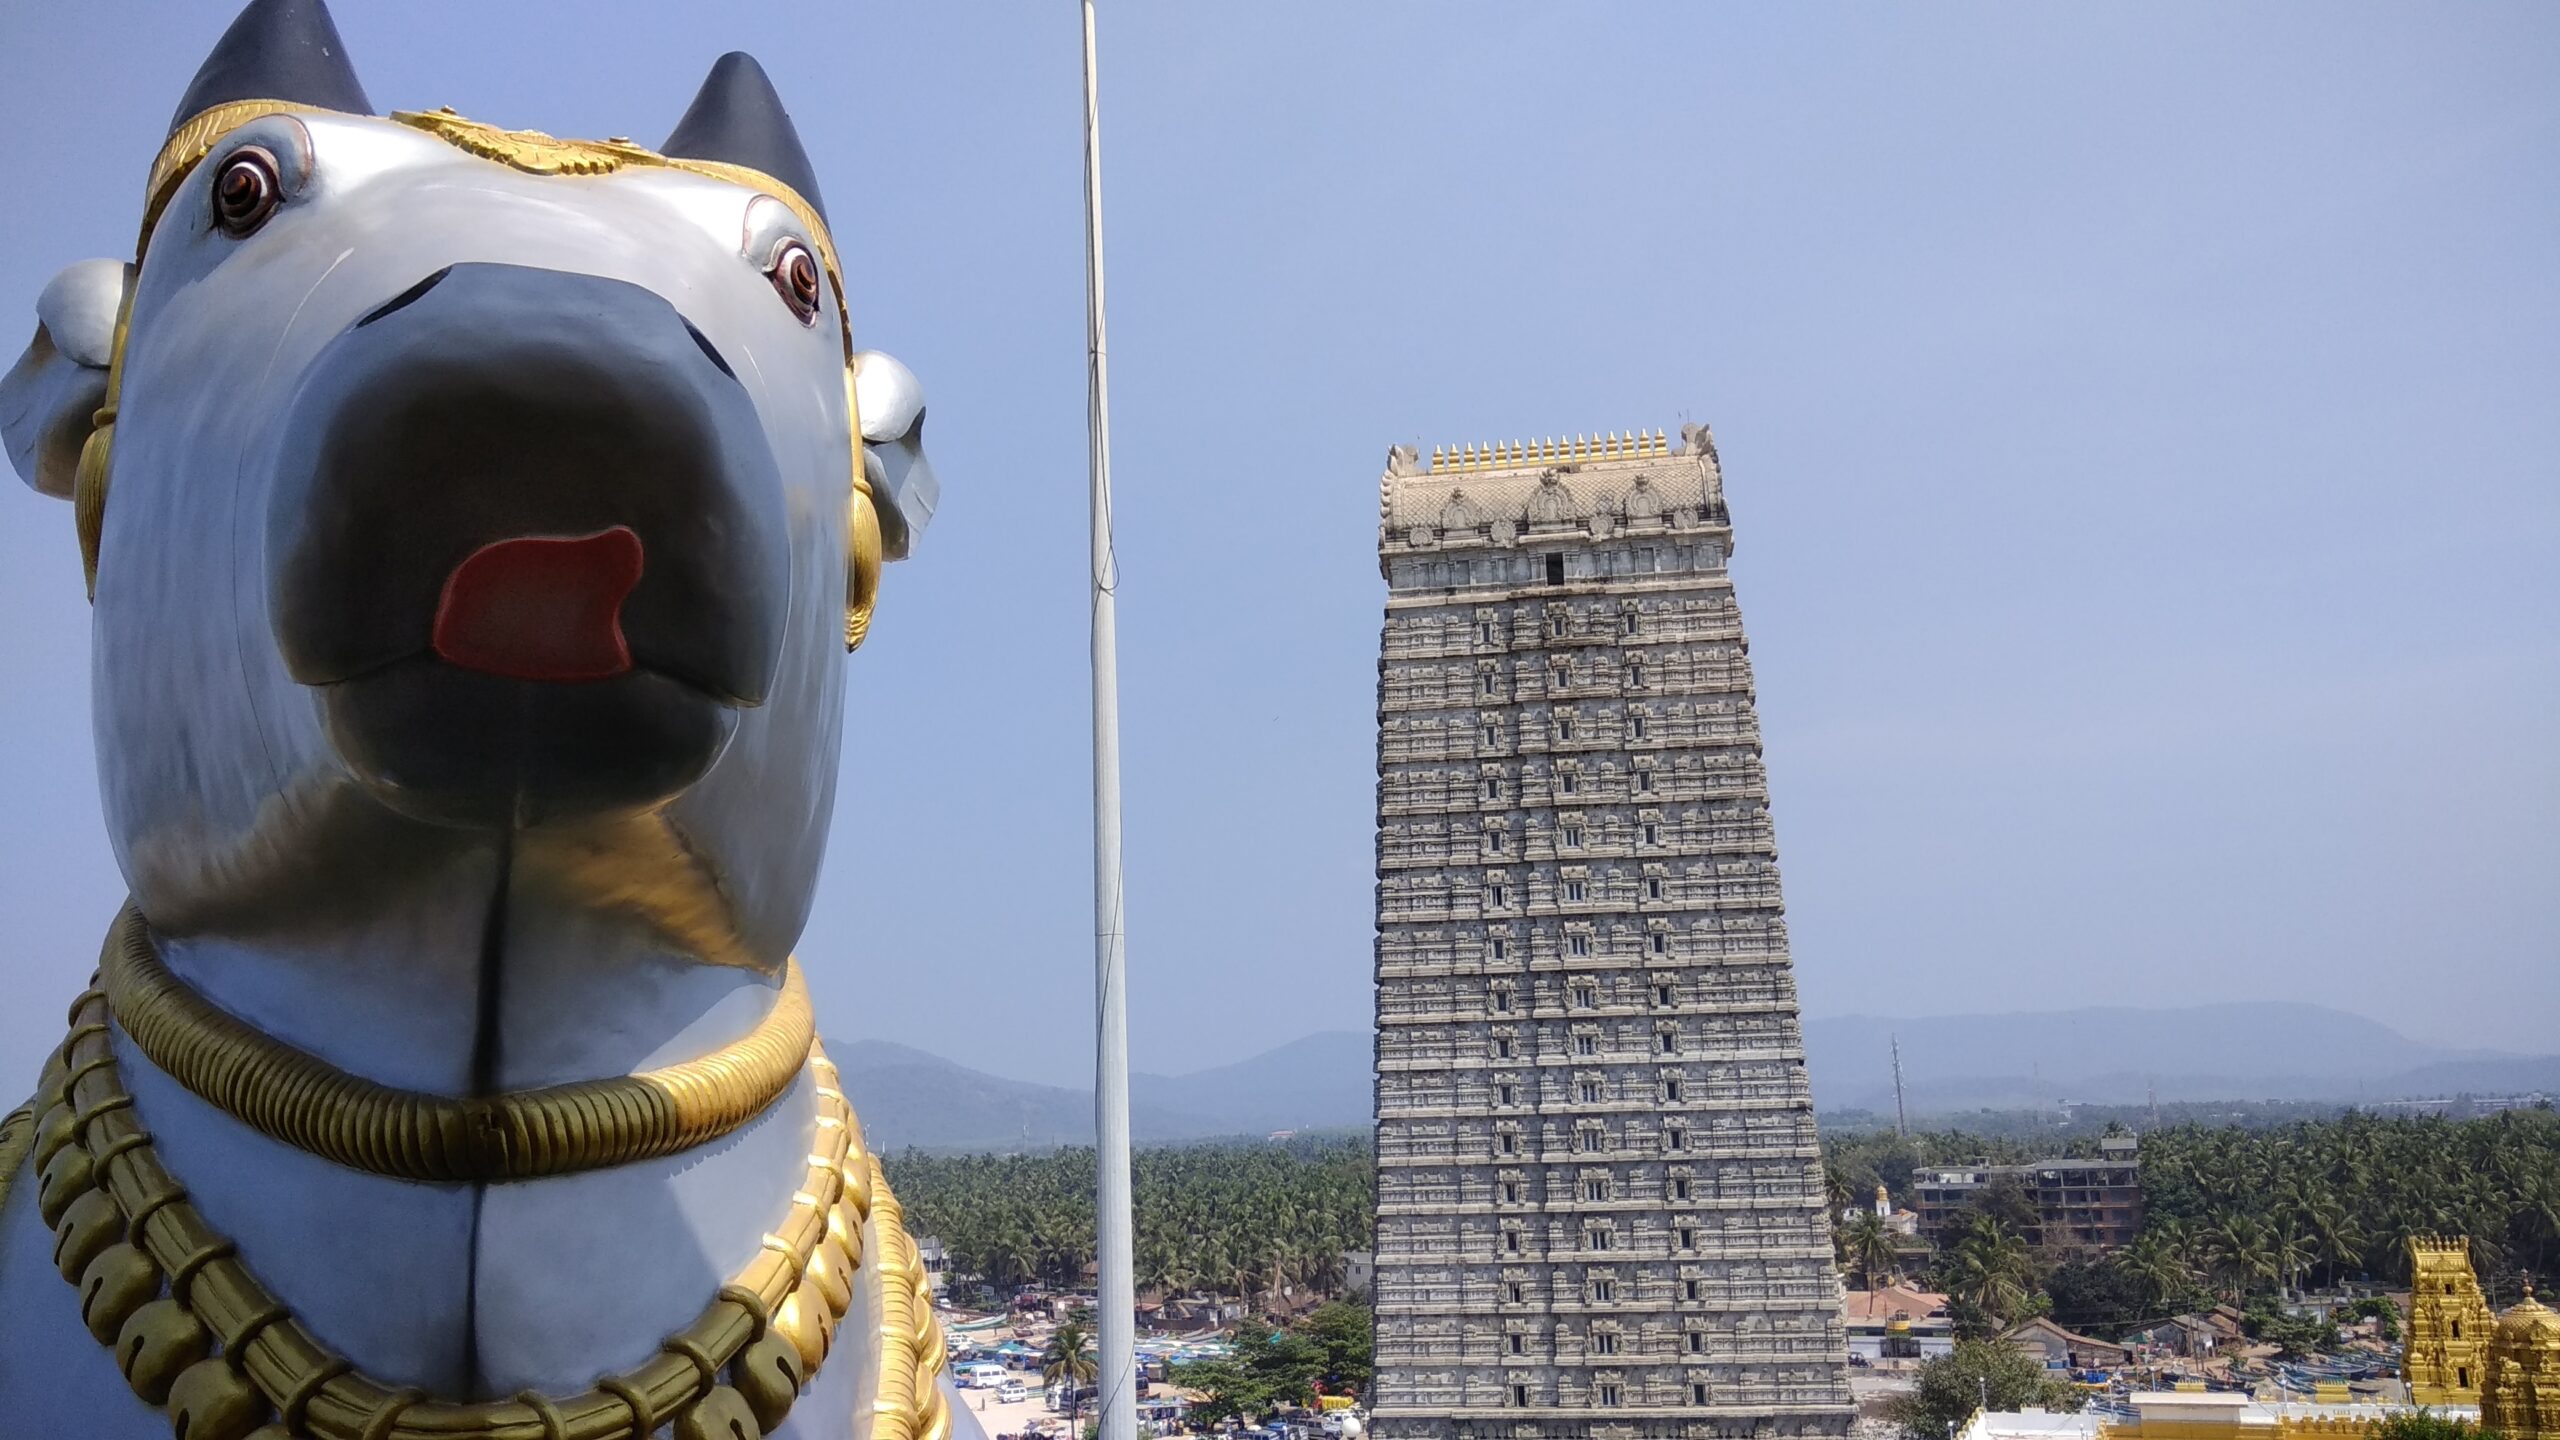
(710, 349)
(405, 298)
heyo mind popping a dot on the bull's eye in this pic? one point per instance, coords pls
(795, 276)
(246, 192)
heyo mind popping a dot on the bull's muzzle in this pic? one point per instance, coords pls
(528, 542)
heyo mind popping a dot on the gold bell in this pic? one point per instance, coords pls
(845, 1229)
(803, 1320)
(721, 1414)
(769, 1375)
(114, 1286)
(212, 1401)
(157, 1342)
(66, 1177)
(832, 1273)
(89, 1225)
(857, 1184)
(53, 1132)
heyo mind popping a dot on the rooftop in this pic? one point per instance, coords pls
(1501, 493)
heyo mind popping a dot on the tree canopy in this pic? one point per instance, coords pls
(1949, 1388)
(2235, 1214)
(1275, 1364)
(1242, 1219)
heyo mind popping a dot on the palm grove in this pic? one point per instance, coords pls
(1257, 1222)
(2232, 1215)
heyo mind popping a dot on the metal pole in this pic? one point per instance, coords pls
(1115, 1291)
(1901, 1117)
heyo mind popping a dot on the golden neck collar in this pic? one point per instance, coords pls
(294, 1097)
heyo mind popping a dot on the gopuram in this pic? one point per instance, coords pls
(1600, 1200)
(477, 524)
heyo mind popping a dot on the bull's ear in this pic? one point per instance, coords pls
(277, 50)
(49, 399)
(891, 402)
(737, 119)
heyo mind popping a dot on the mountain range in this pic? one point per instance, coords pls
(908, 1097)
(2105, 1054)
(2120, 1055)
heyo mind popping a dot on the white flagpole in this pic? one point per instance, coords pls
(1115, 1291)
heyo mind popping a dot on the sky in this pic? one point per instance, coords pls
(2139, 425)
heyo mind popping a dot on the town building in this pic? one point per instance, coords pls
(2193, 1336)
(2462, 1362)
(1600, 1201)
(2083, 1207)
(2062, 1349)
(1900, 1222)
(2192, 1415)
(1359, 1272)
(1897, 1322)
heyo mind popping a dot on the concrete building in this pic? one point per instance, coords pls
(2195, 1415)
(1600, 1201)
(1359, 1272)
(2083, 1207)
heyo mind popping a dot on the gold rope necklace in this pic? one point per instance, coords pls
(295, 1097)
(195, 1332)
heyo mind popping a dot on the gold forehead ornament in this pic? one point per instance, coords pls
(534, 153)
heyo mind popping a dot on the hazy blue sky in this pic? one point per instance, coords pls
(2140, 424)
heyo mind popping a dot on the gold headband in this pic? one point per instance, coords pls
(534, 153)
(530, 151)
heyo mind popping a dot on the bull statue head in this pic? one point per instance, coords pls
(443, 486)
(477, 523)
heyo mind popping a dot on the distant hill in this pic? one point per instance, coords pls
(2099, 1055)
(907, 1097)
(2117, 1054)
(1321, 1082)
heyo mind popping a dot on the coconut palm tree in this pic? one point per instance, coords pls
(2153, 1261)
(1990, 1268)
(1867, 1249)
(1070, 1356)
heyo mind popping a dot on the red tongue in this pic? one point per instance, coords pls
(541, 607)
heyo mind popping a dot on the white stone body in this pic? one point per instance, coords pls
(1600, 1198)
(288, 887)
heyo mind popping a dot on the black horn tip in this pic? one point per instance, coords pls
(277, 50)
(738, 119)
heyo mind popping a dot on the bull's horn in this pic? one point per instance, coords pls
(277, 50)
(739, 120)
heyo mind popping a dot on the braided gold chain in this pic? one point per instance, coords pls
(299, 1099)
(194, 1330)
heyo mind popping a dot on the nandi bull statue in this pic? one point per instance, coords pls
(476, 523)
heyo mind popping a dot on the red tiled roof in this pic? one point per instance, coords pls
(1874, 1307)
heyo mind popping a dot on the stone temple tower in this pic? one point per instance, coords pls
(1600, 1201)
(2447, 1348)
